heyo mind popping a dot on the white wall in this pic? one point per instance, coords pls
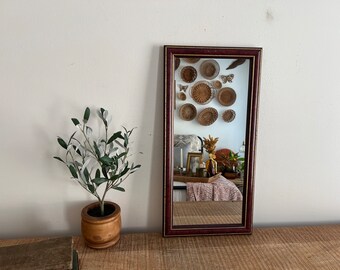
(57, 57)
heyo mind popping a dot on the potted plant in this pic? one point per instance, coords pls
(93, 162)
(233, 165)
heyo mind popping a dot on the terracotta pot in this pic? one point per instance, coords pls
(104, 231)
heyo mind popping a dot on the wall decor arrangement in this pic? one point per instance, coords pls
(201, 80)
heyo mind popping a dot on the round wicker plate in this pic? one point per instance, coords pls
(189, 74)
(228, 116)
(181, 96)
(201, 92)
(207, 116)
(217, 84)
(226, 96)
(210, 69)
(191, 60)
(187, 112)
(177, 62)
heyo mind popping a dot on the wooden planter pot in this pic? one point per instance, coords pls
(101, 232)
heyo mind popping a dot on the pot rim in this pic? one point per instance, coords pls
(113, 215)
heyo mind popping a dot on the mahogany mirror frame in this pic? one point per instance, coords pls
(254, 55)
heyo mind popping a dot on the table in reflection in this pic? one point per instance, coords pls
(205, 212)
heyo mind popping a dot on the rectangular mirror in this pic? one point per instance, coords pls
(211, 97)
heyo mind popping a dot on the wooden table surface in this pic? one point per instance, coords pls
(307, 247)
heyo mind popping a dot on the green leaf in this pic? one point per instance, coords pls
(58, 158)
(97, 173)
(106, 160)
(129, 132)
(119, 188)
(88, 131)
(99, 181)
(117, 157)
(71, 137)
(112, 150)
(126, 169)
(117, 142)
(114, 167)
(125, 129)
(91, 188)
(77, 150)
(86, 115)
(75, 121)
(96, 149)
(102, 116)
(77, 163)
(136, 167)
(62, 143)
(126, 140)
(104, 172)
(115, 136)
(86, 174)
(121, 174)
(114, 177)
(73, 171)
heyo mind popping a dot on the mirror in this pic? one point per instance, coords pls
(211, 97)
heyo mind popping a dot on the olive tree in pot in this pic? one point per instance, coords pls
(93, 162)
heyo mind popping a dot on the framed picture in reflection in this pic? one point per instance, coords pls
(194, 160)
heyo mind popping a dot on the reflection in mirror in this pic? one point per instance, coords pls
(210, 117)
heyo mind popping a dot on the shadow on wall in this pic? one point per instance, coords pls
(30, 221)
(37, 220)
(72, 215)
(151, 130)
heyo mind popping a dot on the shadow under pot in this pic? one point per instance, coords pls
(101, 231)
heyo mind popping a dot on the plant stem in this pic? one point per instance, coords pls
(87, 140)
(106, 190)
(102, 205)
(84, 186)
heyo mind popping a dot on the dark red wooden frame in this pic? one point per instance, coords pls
(254, 55)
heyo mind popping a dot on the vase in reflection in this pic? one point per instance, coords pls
(211, 165)
(209, 145)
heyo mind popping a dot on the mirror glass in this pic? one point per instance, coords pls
(210, 124)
